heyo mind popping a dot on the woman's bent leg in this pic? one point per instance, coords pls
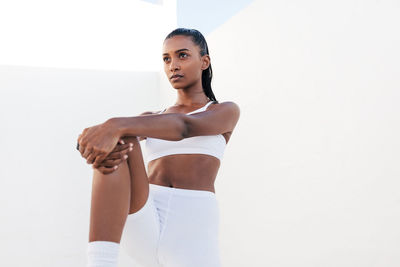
(108, 213)
(139, 180)
(110, 204)
(115, 195)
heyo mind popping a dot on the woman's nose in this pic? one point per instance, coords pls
(174, 65)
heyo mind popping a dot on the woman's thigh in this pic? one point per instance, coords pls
(175, 228)
(190, 234)
(139, 179)
(141, 234)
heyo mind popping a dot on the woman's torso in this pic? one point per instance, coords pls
(186, 171)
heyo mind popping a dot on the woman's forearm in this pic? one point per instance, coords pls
(170, 126)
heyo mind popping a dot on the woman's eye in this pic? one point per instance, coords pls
(182, 54)
(165, 59)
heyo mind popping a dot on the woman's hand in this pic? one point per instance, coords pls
(96, 142)
(116, 157)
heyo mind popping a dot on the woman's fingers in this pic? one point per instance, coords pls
(87, 152)
(114, 158)
(108, 166)
(119, 151)
(90, 159)
(113, 162)
(121, 147)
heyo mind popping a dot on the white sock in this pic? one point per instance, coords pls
(102, 254)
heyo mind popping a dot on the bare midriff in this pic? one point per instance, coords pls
(186, 171)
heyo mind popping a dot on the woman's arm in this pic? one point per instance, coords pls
(140, 138)
(170, 126)
(98, 141)
(217, 119)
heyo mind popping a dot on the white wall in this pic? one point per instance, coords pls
(45, 186)
(85, 34)
(65, 66)
(311, 176)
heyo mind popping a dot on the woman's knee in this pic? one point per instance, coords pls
(120, 173)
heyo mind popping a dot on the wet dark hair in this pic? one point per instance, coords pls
(200, 41)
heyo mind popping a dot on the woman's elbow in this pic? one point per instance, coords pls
(184, 129)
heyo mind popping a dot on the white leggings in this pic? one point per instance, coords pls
(175, 228)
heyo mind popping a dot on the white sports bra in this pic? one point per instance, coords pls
(213, 145)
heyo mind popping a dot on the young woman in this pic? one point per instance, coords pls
(170, 215)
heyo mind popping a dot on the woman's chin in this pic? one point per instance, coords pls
(177, 85)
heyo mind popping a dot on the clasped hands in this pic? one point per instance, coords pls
(102, 146)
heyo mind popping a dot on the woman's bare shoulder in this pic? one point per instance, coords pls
(147, 113)
(226, 105)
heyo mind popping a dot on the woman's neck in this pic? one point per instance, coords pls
(191, 99)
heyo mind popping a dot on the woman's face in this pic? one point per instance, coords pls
(182, 57)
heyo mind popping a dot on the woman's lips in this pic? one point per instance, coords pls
(173, 79)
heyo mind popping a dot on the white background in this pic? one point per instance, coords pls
(310, 176)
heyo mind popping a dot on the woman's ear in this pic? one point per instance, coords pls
(206, 62)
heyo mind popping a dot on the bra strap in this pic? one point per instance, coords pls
(209, 103)
(204, 108)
